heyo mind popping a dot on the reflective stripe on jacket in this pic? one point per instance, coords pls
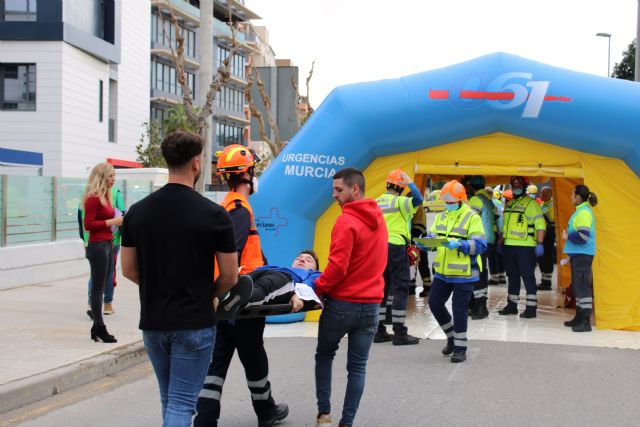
(397, 212)
(582, 219)
(462, 224)
(522, 219)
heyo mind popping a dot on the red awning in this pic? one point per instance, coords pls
(124, 163)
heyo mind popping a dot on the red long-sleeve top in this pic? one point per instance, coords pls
(95, 219)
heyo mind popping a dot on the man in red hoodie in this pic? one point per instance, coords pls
(352, 287)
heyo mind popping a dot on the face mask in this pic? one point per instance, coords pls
(517, 191)
(533, 196)
(254, 182)
(451, 207)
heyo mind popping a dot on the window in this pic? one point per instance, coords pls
(19, 10)
(100, 100)
(228, 134)
(164, 78)
(231, 99)
(18, 87)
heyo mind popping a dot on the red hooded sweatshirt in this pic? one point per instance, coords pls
(358, 255)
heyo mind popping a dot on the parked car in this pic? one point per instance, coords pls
(433, 202)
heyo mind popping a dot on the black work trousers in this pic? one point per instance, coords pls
(246, 337)
(548, 260)
(396, 283)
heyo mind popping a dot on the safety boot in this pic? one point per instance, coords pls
(509, 309)
(448, 349)
(480, 309)
(494, 281)
(544, 286)
(458, 357)
(425, 291)
(382, 335)
(528, 314)
(584, 322)
(574, 321)
(280, 412)
(404, 339)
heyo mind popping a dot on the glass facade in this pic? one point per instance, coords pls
(85, 15)
(164, 33)
(19, 10)
(18, 87)
(227, 134)
(164, 79)
(231, 99)
(236, 66)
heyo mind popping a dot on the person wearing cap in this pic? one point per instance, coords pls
(456, 266)
(548, 260)
(236, 165)
(481, 204)
(523, 231)
(397, 211)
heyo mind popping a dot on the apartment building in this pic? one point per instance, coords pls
(74, 84)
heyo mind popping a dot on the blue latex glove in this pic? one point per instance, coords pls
(539, 250)
(452, 244)
(464, 247)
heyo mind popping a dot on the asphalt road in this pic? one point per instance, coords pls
(501, 384)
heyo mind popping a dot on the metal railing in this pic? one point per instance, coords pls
(38, 209)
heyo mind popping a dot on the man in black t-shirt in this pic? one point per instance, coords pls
(171, 240)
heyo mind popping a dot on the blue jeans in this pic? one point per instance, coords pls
(359, 321)
(108, 287)
(180, 360)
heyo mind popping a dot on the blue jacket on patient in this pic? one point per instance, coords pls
(298, 275)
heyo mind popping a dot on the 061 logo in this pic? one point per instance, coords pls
(504, 92)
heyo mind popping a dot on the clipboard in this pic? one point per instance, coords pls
(431, 242)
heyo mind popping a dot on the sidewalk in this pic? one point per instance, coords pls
(46, 348)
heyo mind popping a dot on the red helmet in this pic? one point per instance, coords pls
(235, 158)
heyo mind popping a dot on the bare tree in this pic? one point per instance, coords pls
(198, 118)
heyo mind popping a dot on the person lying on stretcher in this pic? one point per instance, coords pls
(275, 285)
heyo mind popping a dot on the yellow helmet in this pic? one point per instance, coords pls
(532, 189)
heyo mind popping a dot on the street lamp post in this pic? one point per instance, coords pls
(608, 36)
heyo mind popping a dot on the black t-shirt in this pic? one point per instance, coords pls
(176, 233)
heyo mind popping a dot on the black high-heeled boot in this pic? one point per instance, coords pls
(100, 332)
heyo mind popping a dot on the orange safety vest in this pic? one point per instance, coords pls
(251, 257)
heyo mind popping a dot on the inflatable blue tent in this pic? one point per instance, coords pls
(497, 115)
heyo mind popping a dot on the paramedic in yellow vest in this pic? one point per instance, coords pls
(397, 211)
(236, 165)
(548, 260)
(456, 266)
(523, 231)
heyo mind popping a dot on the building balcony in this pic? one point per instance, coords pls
(238, 9)
(223, 34)
(165, 98)
(165, 52)
(182, 10)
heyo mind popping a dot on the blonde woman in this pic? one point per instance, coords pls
(98, 219)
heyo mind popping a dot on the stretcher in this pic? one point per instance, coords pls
(253, 311)
(234, 306)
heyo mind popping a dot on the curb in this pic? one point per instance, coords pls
(29, 390)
